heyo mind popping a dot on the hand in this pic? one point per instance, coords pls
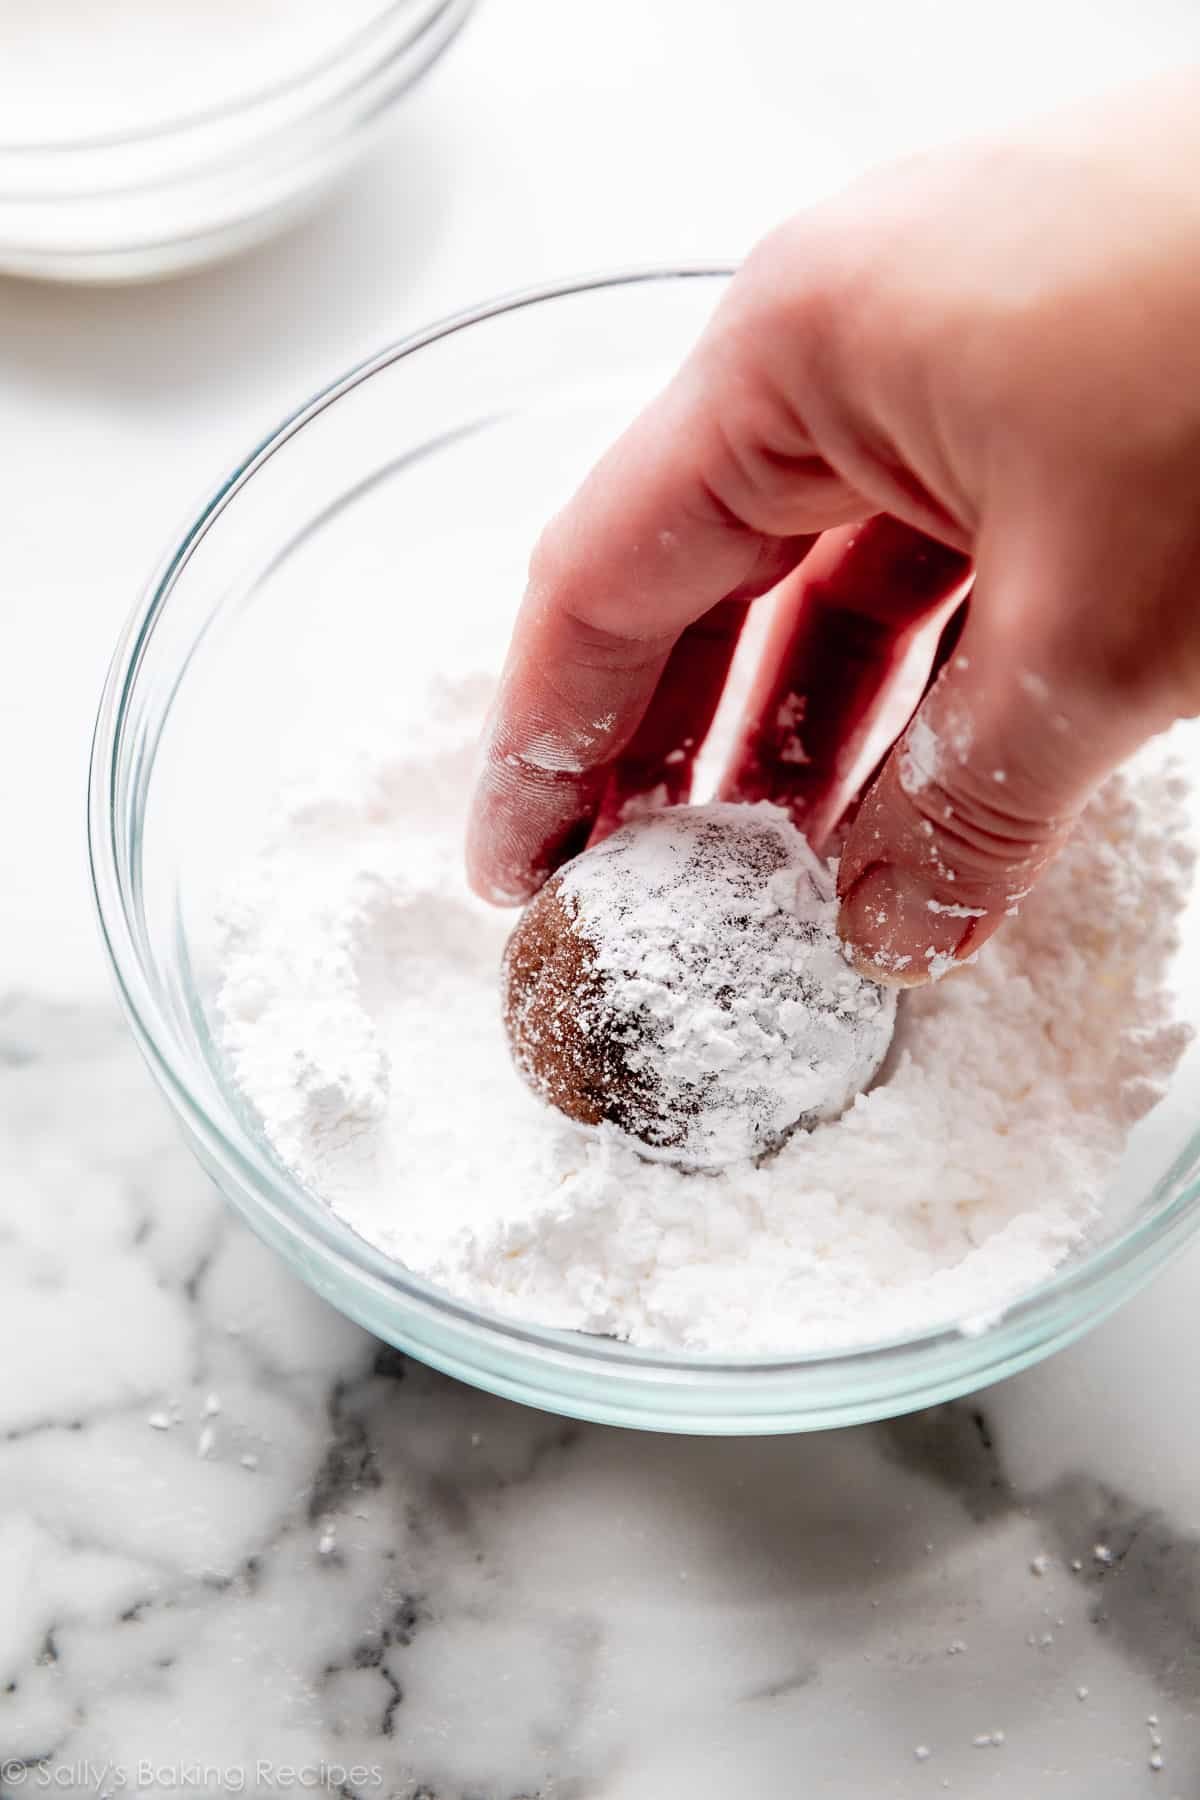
(987, 360)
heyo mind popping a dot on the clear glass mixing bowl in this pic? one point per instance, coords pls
(326, 563)
(176, 195)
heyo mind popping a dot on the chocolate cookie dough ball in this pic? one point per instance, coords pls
(683, 982)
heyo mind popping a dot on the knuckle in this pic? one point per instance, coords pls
(549, 563)
(756, 488)
(966, 832)
(598, 630)
(804, 283)
(763, 362)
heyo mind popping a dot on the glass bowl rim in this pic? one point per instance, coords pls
(1135, 1252)
(432, 14)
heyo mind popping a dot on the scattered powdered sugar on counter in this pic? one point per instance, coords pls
(360, 1015)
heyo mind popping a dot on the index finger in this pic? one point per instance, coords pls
(664, 528)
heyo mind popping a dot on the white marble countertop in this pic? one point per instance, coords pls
(242, 1548)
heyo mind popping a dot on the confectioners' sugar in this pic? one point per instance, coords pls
(77, 69)
(361, 1018)
(690, 964)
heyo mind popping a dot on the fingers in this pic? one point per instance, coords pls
(843, 630)
(648, 547)
(987, 782)
(657, 764)
(947, 644)
(573, 696)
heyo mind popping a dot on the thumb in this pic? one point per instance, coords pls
(981, 792)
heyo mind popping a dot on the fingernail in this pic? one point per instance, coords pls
(900, 932)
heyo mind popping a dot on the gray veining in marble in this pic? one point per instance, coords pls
(241, 1543)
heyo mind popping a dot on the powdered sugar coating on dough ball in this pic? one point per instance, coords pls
(683, 984)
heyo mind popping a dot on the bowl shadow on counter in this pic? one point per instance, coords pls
(257, 315)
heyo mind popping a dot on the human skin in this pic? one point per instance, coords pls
(979, 367)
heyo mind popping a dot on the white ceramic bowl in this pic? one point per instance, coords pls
(154, 201)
